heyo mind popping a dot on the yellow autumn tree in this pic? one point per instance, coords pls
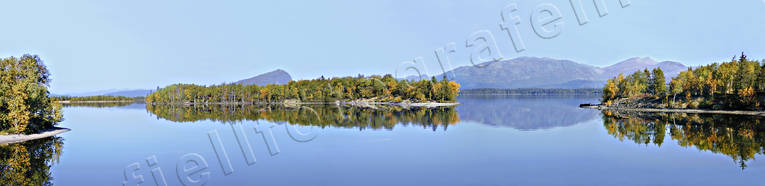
(25, 102)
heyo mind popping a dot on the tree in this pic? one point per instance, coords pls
(610, 91)
(658, 84)
(25, 103)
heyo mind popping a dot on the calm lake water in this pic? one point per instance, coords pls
(488, 140)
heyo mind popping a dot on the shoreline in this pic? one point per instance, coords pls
(75, 102)
(18, 138)
(351, 103)
(663, 110)
(468, 94)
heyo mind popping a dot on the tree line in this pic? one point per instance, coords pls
(99, 104)
(737, 84)
(95, 98)
(373, 88)
(25, 102)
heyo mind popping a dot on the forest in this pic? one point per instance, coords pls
(321, 90)
(25, 102)
(738, 84)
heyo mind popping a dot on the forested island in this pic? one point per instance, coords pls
(25, 103)
(360, 89)
(738, 85)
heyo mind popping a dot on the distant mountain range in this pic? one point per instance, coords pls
(111, 92)
(274, 77)
(131, 93)
(522, 72)
(278, 76)
(532, 72)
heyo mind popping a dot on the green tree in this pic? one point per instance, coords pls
(658, 82)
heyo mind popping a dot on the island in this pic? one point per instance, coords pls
(734, 87)
(359, 91)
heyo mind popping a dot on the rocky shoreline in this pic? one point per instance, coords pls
(18, 138)
(668, 110)
(401, 104)
(351, 103)
(76, 102)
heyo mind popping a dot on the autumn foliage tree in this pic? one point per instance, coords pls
(737, 84)
(25, 103)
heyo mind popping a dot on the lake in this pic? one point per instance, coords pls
(488, 140)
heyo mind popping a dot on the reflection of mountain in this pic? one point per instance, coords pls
(525, 112)
(29, 163)
(380, 117)
(738, 137)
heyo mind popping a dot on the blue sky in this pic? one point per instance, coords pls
(96, 45)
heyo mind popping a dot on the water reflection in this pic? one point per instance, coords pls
(378, 117)
(29, 163)
(526, 112)
(739, 137)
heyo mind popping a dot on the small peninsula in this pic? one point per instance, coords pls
(734, 87)
(27, 111)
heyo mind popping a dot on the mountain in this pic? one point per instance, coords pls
(278, 76)
(524, 72)
(111, 92)
(274, 77)
(93, 93)
(131, 93)
(574, 84)
(670, 68)
(532, 72)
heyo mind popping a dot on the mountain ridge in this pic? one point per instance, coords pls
(277, 76)
(521, 72)
(544, 72)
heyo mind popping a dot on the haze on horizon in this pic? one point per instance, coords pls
(143, 44)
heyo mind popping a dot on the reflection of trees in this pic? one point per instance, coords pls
(380, 117)
(739, 137)
(29, 163)
(526, 112)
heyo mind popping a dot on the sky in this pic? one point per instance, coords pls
(143, 44)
